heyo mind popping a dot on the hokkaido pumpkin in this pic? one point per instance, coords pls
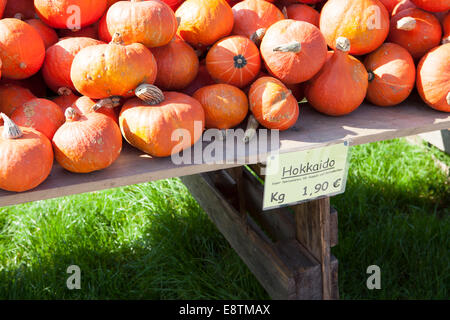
(112, 69)
(87, 32)
(233, 60)
(19, 8)
(42, 115)
(389, 4)
(293, 51)
(69, 14)
(403, 5)
(59, 59)
(48, 35)
(13, 96)
(365, 23)
(202, 79)
(415, 30)
(151, 23)
(65, 98)
(302, 12)
(392, 75)
(446, 25)
(22, 50)
(150, 127)
(225, 106)
(26, 157)
(433, 5)
(341, 85)
(85, 105)
(177, 64)
(251, 15)
(433, 78)
(203, 22)
(272, 104)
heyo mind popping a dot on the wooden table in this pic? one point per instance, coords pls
(288, 248)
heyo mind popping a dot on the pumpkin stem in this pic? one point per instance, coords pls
(150, 94)
(285, 13)
(406, 24)
(343, 44)
(19, 16)
(446, 40)
(250, 131)
(64, 91)
(10, 130)
(371, 76)
(117, 38)
(108, 103)
(257, 36)
(71, 114)
(293, 46)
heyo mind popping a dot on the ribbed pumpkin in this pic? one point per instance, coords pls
(433, 5)
(69, 14)
(272, 104)
(415, 30)
(112, 69)
(302, 12)
(364, 22)
(26, 157)
(392, 75)
(13, 96)
(87, 142)
(390, 4)
(87, 32)
(151, 23)
(293, 51)
(446, 25)
(202, 79)
(225, 106)
(251, 15)
(150, 127)
(433, 78)
(177, 64)
(403, 5)
(341, 85)
(42, 115)
(22, 50)
(203, 22)
(234, 60)
(48, 35)
(24, 9)
(58, 61)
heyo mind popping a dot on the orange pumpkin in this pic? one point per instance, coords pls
(202, 79)
(21, 9)
(112, 69)
(293, 51)
(2, 7)
(341, 85)
(446, 25)
(26, 157)
(85, 105)
(392, 75)
(177, 65)
(403, 5)
(302, 12)
(47, 34)
(433, 78)
(433, 5)
(251, 15)
(34, 83)
(234, 60)
(203, 22)
(150, 127)
(151, 23)
(13, 96)
(415, 30)
(22, 50)
(65, 99)
(87, 32)
(272, 104)
(364, 22)
(389, 4)
(69, 14)
(59, 59)
(225, 106)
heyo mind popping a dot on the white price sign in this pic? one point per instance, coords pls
(305, 175)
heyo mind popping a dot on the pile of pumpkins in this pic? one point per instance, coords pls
(78, 76)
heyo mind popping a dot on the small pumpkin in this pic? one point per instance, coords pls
(85, 105)
(203, 22)
(433, 78)
(22, 50)
(26, 157)
(433, 5)
(392, 75)
(13, 96)
(87, 32)
(341, 85)
(403, 5)
(365, 23)
(252, 15)
(415, 30)
(87, 142)
(21, 9)
(149, 127)
(151, 23)
(272, 104)
(302, 12)
(225, 105)
(48, 35)
(293, 51)
(112, 69)
(446, 25)
(177, 64)
(202, 79)
(69, 14)
(233, 60)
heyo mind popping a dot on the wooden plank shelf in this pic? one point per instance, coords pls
(365, 125)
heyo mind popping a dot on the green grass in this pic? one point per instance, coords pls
(152, 241)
